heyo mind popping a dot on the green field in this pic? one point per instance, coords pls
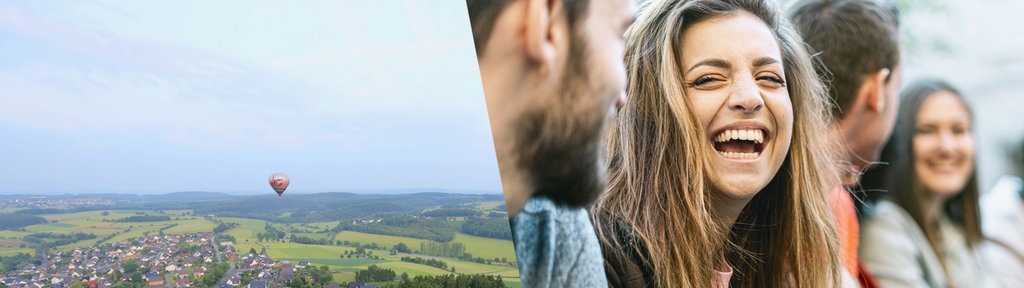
(413, 269)
(10, 247)
(487, 248)
(96, 215)
(381, 240)
(173, 213)
(13, 234)
(11, 209)
(15, 251)
(51, 227)
(344, 268)
(296, 250)
(139, 229)
(190, 226)
(513, 282)
(489, 205)
(314, 227)
(83, 243)
(246, 230)
(92, 222)
(316, 236)
(322, 225)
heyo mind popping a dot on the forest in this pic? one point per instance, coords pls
(18, 220)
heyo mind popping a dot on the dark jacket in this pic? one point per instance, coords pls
(624, 264)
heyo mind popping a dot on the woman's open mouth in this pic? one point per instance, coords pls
(740, 143)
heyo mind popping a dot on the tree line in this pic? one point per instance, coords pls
(453, 249)
(450, 280)
(428, 262)
(144, 218)
(307, 240)
(439, 230)
(40, 242)
(453, 212)
(17, 220)
(15, 262)
(224, 227)
(317, 277)
(375, 274)
(497, 228)
(50, 240)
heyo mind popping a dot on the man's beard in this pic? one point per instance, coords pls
(560, 147)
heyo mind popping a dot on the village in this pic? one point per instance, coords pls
(183, 260)
(214, 244)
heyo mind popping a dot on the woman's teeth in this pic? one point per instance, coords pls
(748, 135)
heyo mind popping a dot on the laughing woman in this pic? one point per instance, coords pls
(719, 160)
(926, 232)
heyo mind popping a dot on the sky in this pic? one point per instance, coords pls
(167, 96)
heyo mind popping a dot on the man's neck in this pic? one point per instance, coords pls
(851, 175)
(852, 143)
(517, 192)
(855, 130)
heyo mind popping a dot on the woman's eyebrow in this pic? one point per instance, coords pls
(766, 61)
(711, 62)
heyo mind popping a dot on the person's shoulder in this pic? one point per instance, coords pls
(615, 233)
(604, 221)
(888, 220)
(885, 212)
(623, 252)
(556, 246)
(532, 229)
(889, 227)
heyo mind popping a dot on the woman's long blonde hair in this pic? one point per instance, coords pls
(658, 186)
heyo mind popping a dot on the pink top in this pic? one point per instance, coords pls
(723, 276)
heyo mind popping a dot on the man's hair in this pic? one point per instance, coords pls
(852, 38)
(484, 13)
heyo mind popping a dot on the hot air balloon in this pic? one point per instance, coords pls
(279, 182)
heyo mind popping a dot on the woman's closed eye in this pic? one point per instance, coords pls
(707, 82)
(771, 80)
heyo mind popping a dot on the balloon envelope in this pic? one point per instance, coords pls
(279, 182)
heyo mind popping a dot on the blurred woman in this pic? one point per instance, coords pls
(924, 234)
(718, 160)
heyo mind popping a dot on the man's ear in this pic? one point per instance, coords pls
(540, 34)
(875, 90)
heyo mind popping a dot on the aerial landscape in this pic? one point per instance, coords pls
(115, 114)
(202, 239)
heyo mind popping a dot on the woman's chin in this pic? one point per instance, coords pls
(739, 187)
